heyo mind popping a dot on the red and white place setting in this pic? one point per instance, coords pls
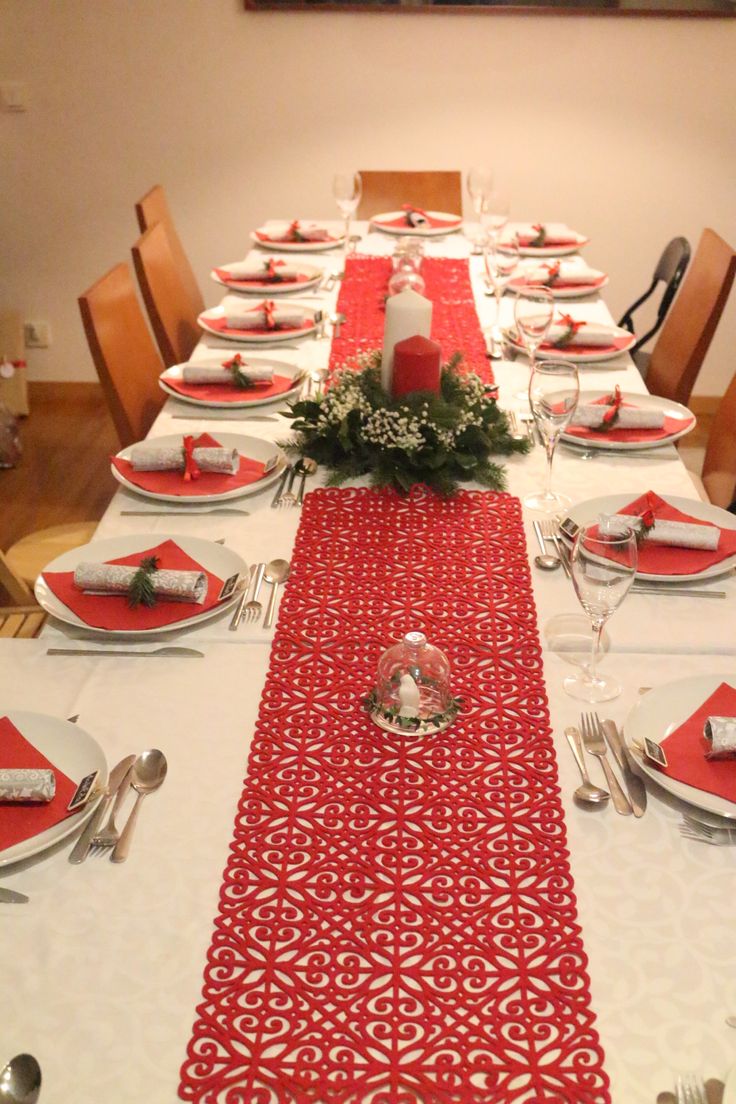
(541, 239)
(219, 379)
(565, 279)
(417, 222)
(264, 323)
(267, 276)
(297, 236)
(382, 870)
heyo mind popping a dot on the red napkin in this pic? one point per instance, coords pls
(431, 223)
(670, 427)
(21, 822)
(226, 277)
(685, 748)
(618, 343)
(661, 559)
(113, 612)
(558, 285)
(172, 482)
(221, 326)
(292, 240)
(525, 241)
(225, 392)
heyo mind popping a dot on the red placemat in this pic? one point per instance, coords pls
(113, 612)
(224, 392)
(686, 747)
(397, 918)
(455, 324)
(661, 559)
(21, 822)
(209, 483)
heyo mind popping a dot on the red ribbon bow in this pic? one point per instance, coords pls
(191, 468)
(570, 324)
(411, 209)
(268, 306)
(271, 267)
(294, 230)
(233, 363)
(553, 271)
(615, 401)
(648, 516)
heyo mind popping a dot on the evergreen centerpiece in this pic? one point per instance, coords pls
(442, 439)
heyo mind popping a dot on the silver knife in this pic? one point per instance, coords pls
(636, 788)
(157, 653)
(117, 777)
(10, 897)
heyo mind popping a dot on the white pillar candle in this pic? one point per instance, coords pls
(407, 314)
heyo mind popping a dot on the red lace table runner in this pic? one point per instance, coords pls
(455, 324)
(397, 920)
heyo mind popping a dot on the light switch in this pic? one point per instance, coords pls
(13, 96)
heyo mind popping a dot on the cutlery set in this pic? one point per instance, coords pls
(249, 609)
(593, 736)
(143, 774)
(285, 495)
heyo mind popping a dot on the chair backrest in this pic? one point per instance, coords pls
(669, 270)
(24, 617)
(170, 308)
(689, 327)
(152, 208)
(719, 465)
(123, 352)
(434, 191)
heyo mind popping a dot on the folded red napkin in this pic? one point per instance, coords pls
(685, 748)
(21, 822)
(295, 232)
(224, 392)
(541, 235)
(208, 483)
(660, 559)
(113, 612)
(219, 325)
(632, 436)
(267, 280)
(432, 222)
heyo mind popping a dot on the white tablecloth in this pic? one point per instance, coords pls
(102, 969)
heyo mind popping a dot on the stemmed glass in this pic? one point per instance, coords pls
(603, 567)
(554, 389)
(479, 182)
(495, 215)
(499, 268)
(347, 188)
(533, 311)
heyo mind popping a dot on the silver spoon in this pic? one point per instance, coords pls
(545, 562)
(587, 792)
(20, 1080)
(146, 775)
(277, 572)
(306, 467)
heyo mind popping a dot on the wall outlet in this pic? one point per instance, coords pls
(37, 335)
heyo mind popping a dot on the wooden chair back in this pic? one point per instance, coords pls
(433, 191)
(123, 352)
(23, 617)
(170, 307)
(719, 465)
(689, 327)
(153, 207)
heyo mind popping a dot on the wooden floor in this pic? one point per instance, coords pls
(64, 473)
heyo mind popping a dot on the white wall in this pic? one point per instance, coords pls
(623, 126)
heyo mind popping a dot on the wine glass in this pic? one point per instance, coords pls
(495, 215)
(533, 312)
(347, 188)
(554, 389)
(479, 183)
(603, 566)
(498, 270)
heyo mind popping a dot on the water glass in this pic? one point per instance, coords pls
(499, 268)
(554, 389)
(533, 312)
(479, 183)
(603, 568)
(347, 189)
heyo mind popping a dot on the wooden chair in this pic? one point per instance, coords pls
(387, 191)
(688, 329)
(124, 353)
(669, 271)
(153, 208)
(170, 307)
(23, 617)
(719, 465)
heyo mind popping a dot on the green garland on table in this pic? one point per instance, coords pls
(436, 439)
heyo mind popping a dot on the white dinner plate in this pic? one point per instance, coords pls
(580, 354)
(583, 513)
(71, 750)
(579, 291)
(451, 224)
(250, 337)
(215, 357)
(658, 713)
(541, 251)
(297, 247)
(312, 275)
(672, 409)
(253, 447)
(217, 558)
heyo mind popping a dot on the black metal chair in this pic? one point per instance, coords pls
(669, 271)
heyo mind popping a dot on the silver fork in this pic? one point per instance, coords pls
(252, 610)
(595, 744)
(108, 835)
(287, 497)
(694, 830)
(551, 532)
(690, 1089)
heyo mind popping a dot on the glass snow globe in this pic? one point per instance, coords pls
(412, 693)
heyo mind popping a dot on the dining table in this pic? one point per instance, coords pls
(103, 967)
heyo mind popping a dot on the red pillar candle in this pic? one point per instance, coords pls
(416, 366)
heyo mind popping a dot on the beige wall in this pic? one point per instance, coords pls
(624, 127)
